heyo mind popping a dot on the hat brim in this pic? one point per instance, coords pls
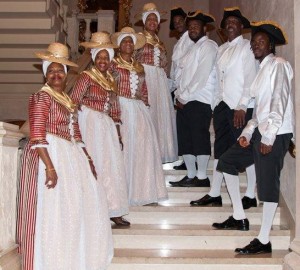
(95, 45)
(233, 13)
(139, 16)
(140, 39)
(274, 31)
(200, 17)
(61, 60)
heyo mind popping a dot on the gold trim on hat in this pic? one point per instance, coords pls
(275, 24)
(199, 11)
(232, 9)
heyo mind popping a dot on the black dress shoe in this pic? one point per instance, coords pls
(207, 200)
(177, 183)
(120, 221)
(255, 247)
(233, 224)
(195, 182)
(248, 202)
(181, 167)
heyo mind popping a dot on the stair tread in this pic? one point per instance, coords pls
(195, 256)
(25, 15)
(190, 230)
(182, 207)
(26, 32)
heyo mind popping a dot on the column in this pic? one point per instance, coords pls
(106, 20)
(292, 260)
(9, 159)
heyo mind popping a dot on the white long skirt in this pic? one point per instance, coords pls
(100, 136)
(73, 230)
(162, 112)
(143, 166)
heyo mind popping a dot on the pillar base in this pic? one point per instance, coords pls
(10, 259)
(292, 260)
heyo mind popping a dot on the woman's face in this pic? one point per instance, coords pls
(102, 61)
(127, 45)
(56, 75)
(151, 23)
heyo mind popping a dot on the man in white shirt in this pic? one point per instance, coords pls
(265, 139)
(194, 97)
(236, 68)
(177, 23)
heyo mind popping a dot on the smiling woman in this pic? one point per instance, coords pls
(58, 180)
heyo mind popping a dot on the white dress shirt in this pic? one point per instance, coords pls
(179, 51)
(273, 112)
(236, 68)
(197, 80)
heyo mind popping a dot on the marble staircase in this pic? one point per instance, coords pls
(26, 26)
(173, 235)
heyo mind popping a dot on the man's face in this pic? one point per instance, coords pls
(195, 29)
(233, 27)
(179, 24)
(260, 45)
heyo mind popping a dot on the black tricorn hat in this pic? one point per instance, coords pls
(199, 15)
(176, 11)
(235, 12)
(272, 29)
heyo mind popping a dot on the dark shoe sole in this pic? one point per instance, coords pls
(248, 253)
(231, 229)
(212, 204)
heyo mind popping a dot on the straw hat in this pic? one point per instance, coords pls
(99, 40)
(148, 8)
(58, 53)
(235, 12)
(272, 29)
(140, 38)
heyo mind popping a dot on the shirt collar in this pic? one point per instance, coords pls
(235, 41)
(266, 60)
(202, 39)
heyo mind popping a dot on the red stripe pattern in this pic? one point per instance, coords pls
(122, 76)
(89, 93)
(48, 116)
(45, 116)
(27, 206)
(145, 55)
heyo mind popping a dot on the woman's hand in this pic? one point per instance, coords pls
(51, 178)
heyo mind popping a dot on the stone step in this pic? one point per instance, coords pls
(183, 195)
(20, 51)
(177, 175)
(12, 6)
(26, 36)
(27, 64)
(25, 21)
(166, 259)
(18, 90)
(202, 237)
(183, 214)
(21, 76)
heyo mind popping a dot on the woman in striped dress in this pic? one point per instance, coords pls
(144, 172)
(153, 57)
(99, 123)
(62, 218)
